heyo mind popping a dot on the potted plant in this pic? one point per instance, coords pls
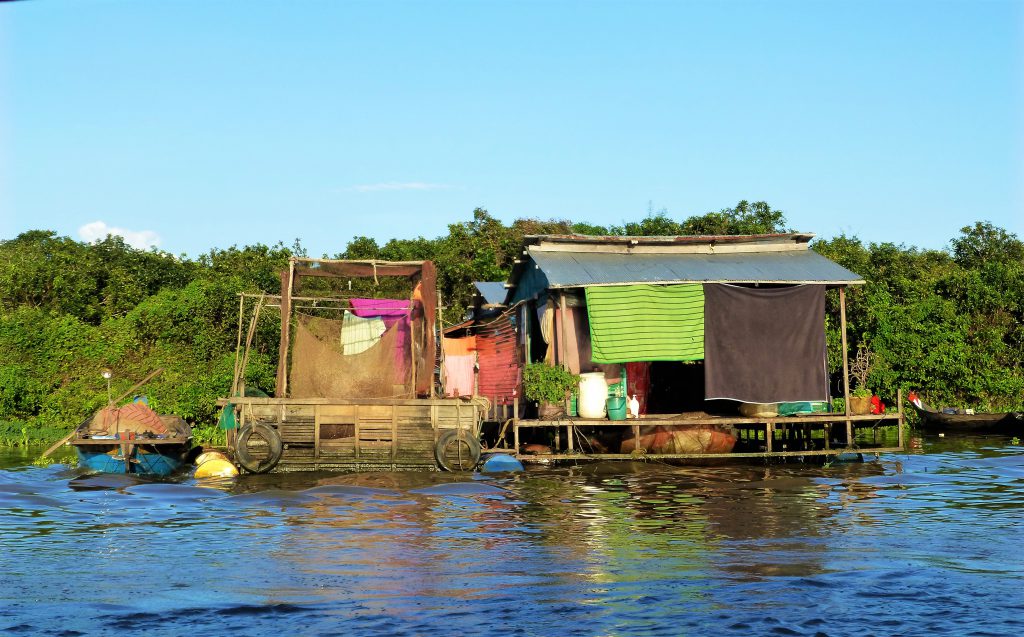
(860, 368)
(548, 386)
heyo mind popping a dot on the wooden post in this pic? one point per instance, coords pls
(846, 368)
(769, 434)
(515, 424)
(240, 388)
(316, 437)
(287, 280)
(525, 323)
(562, 350)
(899, 411)
(357, 432)
(394, 435)
(412, 349)
(238, 344)
(440, 331)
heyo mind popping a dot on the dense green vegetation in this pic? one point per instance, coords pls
(950, 322)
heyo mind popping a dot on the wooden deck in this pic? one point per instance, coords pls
(369, 434)
(779, 437)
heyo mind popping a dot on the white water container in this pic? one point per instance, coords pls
(593, 395)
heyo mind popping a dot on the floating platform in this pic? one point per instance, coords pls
(326, 434)
(779, 437)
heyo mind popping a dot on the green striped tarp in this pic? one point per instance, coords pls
(632, 323)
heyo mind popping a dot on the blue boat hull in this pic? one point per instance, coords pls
(146, 462)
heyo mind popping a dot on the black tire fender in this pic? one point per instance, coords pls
(458, 437)
(275, 447)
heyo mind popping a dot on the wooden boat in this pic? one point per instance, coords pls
(679, 439)
(132, 439)
(960, 420)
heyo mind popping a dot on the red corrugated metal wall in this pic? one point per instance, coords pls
(496, 355)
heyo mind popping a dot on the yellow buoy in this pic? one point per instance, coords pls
(209, 455)
(216, 468)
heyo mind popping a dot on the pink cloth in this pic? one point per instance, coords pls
(391, 311)
(460, 375)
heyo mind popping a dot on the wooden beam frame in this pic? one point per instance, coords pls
(287, 281)
(846, 367)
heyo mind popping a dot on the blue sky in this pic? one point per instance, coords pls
(201, 123)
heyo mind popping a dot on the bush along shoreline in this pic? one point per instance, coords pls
(948, 322)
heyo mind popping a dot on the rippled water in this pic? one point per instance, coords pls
(920, 544)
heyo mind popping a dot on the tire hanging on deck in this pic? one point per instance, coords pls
(457, 450)
(275, 448)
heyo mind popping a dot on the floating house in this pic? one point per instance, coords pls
(716, 342)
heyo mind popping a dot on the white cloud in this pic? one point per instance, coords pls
(392, 185)
(139, 239)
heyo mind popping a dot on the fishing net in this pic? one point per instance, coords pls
(321, 369)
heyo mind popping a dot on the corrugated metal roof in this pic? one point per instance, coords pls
(492, 292)
(580, 269)
(671, 240)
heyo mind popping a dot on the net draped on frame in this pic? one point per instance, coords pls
(319, 369)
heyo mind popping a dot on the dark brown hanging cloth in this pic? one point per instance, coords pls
(764, 345)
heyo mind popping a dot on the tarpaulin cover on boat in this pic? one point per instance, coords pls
(630, 323)
(765, 345)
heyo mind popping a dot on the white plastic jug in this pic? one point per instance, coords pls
(593, 395)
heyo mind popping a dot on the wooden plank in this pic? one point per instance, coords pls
(356, 436)
(337, 443)
(293, 412)
(394, 432)
(338, 411)
(831, 418)
(421, 412)
(287, 278)
(316, 434)
(238, 347)
(297, 426)
(701, 456)
(515, 424)
(846, 367)
(337, 450)
(371, 411)
(266, 412)
(899, 410)
(270, 400)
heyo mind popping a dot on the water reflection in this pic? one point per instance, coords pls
(880, 547)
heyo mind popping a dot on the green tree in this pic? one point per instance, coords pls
(744, 218)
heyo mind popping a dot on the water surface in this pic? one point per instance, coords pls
(912, 544)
